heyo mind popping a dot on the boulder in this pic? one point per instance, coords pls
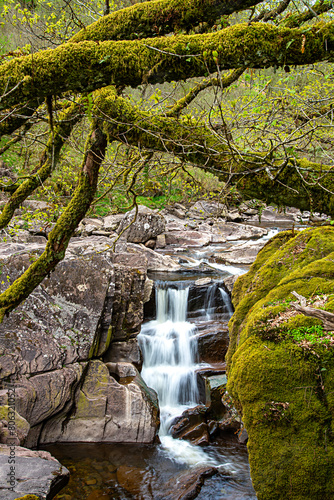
(93, 297)
(107, 411)
(273, 215)
(188, 238)
(147, 224)
(240, 254)
(232, 231)
(212, 343)
(204, 208)
(111, 222)
(280, 374)
(60, 322)
(192, 426)
(34, 473)
(155, 260)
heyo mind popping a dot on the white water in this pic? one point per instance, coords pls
(169, 348)
(227, 301)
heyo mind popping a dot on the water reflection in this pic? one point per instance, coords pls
(143, 472)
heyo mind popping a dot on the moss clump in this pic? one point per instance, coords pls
(28, 497)
(284, 386)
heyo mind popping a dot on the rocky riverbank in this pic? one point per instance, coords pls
(70, 350)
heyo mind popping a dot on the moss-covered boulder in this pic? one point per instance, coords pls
(281, 366)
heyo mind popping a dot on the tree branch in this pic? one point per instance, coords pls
(60, 235)
(89, 65)
(48, 161)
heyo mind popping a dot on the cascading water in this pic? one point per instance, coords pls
(169, 350)
(169, 347)
(227, 301)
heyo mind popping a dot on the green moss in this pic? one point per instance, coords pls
(284, 388)
(28, 497)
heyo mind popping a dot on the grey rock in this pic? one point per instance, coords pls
(124, 351)
(232, 231)
(240, 254)
(203, 209)
(36, 473)
(188, 238)
(107, 411)
(147, 224)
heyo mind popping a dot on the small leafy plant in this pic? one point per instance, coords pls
(314, 334)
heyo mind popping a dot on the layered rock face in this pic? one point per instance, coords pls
(52, 348)
(281, 365)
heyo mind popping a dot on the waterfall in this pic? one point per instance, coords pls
(227, 301)
(169, 350)
(170, 361)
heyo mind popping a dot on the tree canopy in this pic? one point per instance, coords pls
(273, 144)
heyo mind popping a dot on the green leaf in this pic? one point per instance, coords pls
(289, 43)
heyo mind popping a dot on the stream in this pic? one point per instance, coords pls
(168, 341)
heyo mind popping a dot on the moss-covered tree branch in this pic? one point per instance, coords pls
(224, 82)
(299, 183)
(86, 66)
(159, 17)
(64, 228)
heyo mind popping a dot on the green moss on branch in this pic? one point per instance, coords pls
(159, 17)
(295, 185)
(86, 66)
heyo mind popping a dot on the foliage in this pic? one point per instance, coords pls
(225, 107)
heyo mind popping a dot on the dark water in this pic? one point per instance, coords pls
(120, 472)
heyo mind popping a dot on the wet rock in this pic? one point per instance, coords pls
(243, 436)
(145, 226)
(215, 386)
(240, 254)
(187, 485)
(191, 426)
(131, 479)
(98, 495)
(229, 283)
(203, 281)
(36, 473)
(212, 345)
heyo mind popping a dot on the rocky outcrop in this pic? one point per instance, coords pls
(34, 473)
(90, 306)
(107, 410)
(240, 254)
(141, 225)
(281, 366)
